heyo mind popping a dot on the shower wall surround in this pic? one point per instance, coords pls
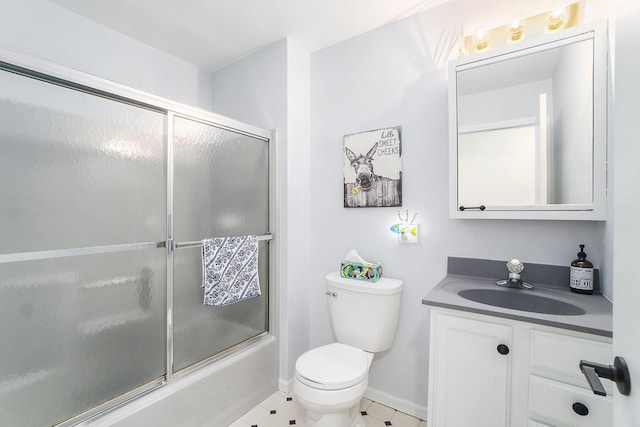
(97, 184)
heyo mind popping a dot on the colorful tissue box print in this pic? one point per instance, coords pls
(366, 272)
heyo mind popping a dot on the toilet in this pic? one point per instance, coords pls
(330, 380)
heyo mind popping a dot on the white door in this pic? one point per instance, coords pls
(626, 207)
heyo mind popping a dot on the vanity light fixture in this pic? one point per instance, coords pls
(560, 17)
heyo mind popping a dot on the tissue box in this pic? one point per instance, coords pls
(369, 272)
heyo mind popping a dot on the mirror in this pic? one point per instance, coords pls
(529, 130)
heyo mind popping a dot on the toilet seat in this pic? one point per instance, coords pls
(332, 367)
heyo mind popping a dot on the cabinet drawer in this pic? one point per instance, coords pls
(552, 402)
(562, 353)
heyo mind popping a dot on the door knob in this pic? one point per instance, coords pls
(618, 373)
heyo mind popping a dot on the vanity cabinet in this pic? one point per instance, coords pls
(536, 382)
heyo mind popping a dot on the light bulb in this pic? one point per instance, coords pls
(515, 29)
(480, 38)
(556, 18)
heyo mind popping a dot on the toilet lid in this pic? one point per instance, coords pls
(331, 367)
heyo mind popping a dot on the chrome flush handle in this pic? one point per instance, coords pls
(331, 294)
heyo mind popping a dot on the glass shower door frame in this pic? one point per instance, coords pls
(83, 82)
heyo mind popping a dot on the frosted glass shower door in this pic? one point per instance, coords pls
(220, 189)
(82, 258)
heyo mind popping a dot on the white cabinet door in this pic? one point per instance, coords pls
(469, 377)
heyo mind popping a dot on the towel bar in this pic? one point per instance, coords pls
(197, 243)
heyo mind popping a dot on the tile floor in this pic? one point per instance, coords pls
(281, 410)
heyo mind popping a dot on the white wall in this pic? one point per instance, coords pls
(396, 75)
(270, 89)
(45, 30)
(254, 89)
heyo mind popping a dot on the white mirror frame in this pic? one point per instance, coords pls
(587, 212)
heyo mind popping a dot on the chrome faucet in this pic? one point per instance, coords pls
(515, 267)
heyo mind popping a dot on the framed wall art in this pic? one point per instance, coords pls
(373, 168)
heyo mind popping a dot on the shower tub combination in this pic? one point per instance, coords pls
(106, 193)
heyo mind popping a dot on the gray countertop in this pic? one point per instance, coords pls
(597, 318)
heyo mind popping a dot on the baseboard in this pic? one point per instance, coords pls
(411, 408)
(285, 386)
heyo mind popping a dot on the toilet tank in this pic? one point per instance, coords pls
(364, 314)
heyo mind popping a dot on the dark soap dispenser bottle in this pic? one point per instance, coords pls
(581, 275)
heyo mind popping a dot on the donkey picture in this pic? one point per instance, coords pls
(370, 189)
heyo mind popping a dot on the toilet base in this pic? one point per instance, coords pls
(331, 408)
(348, 418)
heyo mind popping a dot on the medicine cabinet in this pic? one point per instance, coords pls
(527, 129)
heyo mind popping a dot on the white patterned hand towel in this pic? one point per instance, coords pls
(230, 269)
